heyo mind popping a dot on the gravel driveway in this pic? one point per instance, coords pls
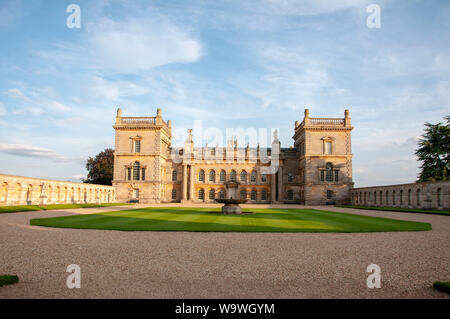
(117, 264)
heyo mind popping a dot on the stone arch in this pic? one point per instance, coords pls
(4, 192)
(212, 175)
(211, 194)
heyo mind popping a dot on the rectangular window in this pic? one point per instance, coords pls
(329, 175)
(129, 173)
(322, 175)
(143, 174)
(327, 147)
(264, 178)
(336, 176)
(137, 146)
(136, 193)
(329, 194)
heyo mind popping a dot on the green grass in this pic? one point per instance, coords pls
(400, 209)
(8, 280)
(28, 208)
(443, 286)
(264, 220)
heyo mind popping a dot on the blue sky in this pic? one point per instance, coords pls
(230, 64)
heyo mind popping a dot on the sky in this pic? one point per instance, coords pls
(229, 64)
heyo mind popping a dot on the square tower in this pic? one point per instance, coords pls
(325, 159)
(142, 148)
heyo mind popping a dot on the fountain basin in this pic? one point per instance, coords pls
(231, 205)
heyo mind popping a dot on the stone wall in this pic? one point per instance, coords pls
(18, 190)
(429, 195)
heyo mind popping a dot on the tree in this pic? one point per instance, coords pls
(100, 169)
(433, 152)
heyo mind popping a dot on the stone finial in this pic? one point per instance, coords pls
(169, 123)
(347, 118)
(275, 135)
(189, 139)
(158, 112)
(306, 113)
(119, 112)
(296, 124)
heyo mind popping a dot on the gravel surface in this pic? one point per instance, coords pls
(117, 264)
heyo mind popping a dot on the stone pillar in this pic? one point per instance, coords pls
(280, 184)
(191, 183)
(273, 192)
(185, 182)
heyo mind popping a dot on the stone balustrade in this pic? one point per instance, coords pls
(18, 190)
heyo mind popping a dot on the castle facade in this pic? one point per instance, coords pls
(316, 170)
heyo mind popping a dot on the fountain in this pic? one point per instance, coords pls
(232, 203)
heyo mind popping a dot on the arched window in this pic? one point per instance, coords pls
(174, 194)
(329, 172)
(409, 197)
(253, 195)
(233, 176)
(243, 194)
(290, 194)
(387, 197)
(393, 197)
(381, 197)
(212, 176)
(201, 194)
(263, 195)
(375, 197)
(201, 175)
(136, 171)
(264, 178)
(253, 177)
(418, 197)
(223, 176)
(174, 176)
(212, 194)
(401, 197)
(244, 177)
(222, 194)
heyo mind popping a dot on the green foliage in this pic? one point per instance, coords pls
(100, 168)
(434, 152)
(8, 280)
(443, 286)
(286, 220)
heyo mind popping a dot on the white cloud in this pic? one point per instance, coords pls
(31, 151)
(16, 93)
(129, 46)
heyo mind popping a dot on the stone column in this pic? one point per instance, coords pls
(273, 192)
(185, 182)
(191, 183)
(280, 184)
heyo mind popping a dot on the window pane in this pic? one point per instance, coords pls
(143, 174)
(336, 176)
(243, 194)
(174, 176)
(137, 146)
(136, 169)
(222, 176)
(174, 194)
(211, 194)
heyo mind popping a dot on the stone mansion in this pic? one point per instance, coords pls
(316, 170)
